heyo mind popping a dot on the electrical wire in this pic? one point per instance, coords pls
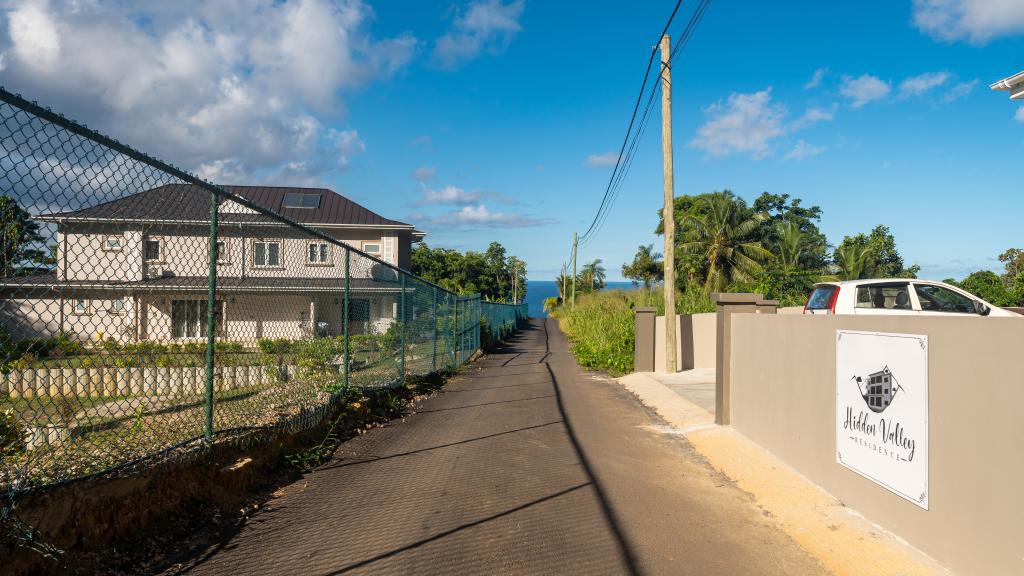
(632, 138)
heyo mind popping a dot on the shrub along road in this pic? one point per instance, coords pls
(524, 464)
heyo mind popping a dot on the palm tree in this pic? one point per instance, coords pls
(726, 240)
(853, 261)
(788, 247)
(594, 274)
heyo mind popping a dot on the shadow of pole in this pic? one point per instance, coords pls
(606, 508)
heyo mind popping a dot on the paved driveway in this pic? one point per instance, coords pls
(524, 464)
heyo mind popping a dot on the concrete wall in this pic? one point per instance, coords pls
(783, 397)
(695, 341)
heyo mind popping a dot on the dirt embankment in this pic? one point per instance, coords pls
(146, 522)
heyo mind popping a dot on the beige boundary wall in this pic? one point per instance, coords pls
(783, 397)
(695, 341)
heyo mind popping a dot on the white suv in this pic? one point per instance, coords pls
(897, 296)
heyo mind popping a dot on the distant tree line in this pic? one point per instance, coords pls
(495, 275)
(774, 246)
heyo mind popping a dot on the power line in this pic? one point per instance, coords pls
(632, 119)
(632, 138)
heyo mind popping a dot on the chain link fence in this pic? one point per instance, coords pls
(145, 314)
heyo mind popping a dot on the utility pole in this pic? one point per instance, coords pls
(565, 279)
(669, 212)
(572, 297)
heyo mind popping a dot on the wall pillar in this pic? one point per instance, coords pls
(727, 304)
(643, 346)
(767, 307)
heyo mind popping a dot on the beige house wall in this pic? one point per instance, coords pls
(47, 317)
(185, 252)
(783, 397)
(84, 256)
(695, 341)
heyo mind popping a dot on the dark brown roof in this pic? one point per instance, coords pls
(187, 202)
(185, 283)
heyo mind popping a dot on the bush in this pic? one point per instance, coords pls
(315, 360)
(274, 345)
(600, 327)
(12, 435)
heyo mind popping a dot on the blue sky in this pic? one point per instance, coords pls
(493, 120)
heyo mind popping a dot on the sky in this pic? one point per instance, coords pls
(500, 120)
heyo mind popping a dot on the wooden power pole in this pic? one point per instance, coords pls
(669, 213)
(572, 297)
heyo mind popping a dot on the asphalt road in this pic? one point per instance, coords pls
(524, 464)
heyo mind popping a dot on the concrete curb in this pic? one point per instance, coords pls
(841, 539)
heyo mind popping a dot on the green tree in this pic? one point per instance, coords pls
(593, 275)
(882, 259)
(853, 260)
(987, 285)
(647, 267)
(781, 209)
(1013, 261)
(18, 234)
(488, 273)
(726, 237)
(788, 246)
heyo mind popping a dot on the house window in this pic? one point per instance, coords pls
(301, 200)
(188, 318)
(152, 250)
(372, 248)
(222, 252)
(117, 306)
(81, 306)
(113, 243)
(266, 254)
(317, 253)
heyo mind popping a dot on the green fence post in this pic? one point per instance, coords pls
(211, 319)
(433, 358)
(401, 333)
(348, 254)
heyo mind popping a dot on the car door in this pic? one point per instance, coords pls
(935, 300)
(884, 298)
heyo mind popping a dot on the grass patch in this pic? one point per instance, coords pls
(601, 325)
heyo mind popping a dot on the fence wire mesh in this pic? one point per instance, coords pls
(145, 314)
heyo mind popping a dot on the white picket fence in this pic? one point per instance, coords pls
(110, 382)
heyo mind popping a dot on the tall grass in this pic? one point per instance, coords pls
(601, 325)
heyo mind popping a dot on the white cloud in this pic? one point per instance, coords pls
(479, 216)
(960, 89)
(816, 79)
(602, 160)
(1019, 116)
(448, 195)
(486, 25)
(977, 21)
(922, 83)
(347, 144)
(239, 90)
(814, 115)
(744, 123)
(864, 89)
(454, 195)
(424, 173)
(804, 150)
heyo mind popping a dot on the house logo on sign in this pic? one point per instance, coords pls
(878, 389)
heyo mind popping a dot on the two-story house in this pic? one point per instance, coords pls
(136, 268)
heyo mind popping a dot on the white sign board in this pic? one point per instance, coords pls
(882, 410)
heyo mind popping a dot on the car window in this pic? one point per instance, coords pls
(821, 297)
(939, 299)
(884, 297)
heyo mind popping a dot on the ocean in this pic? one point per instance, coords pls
(539, 290)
